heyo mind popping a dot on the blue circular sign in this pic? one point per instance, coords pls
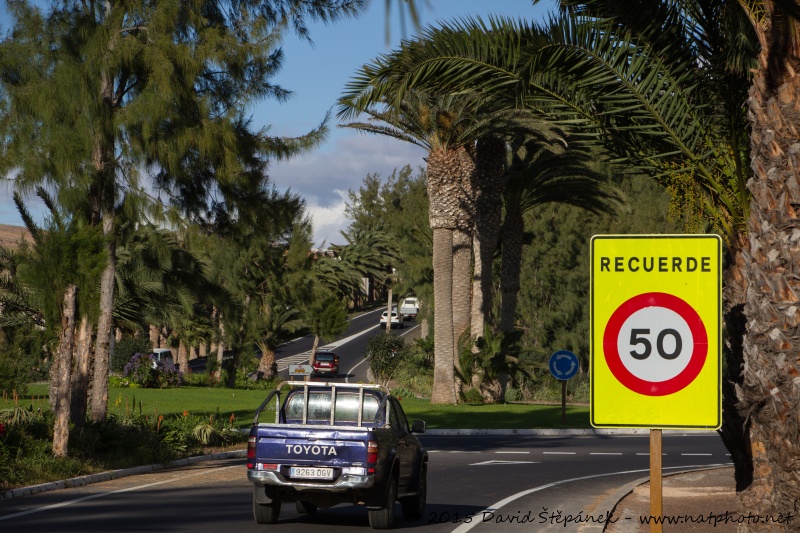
(564, 364)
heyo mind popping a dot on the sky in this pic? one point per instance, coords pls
(316, 75)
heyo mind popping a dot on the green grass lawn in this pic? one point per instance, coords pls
(243, 403)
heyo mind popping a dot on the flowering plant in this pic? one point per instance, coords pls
(143, 371)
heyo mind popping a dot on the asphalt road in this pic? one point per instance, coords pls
(473, 482)
(350, 346)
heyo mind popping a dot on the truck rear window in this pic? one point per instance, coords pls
(319, 407)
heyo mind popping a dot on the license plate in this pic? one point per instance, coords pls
(306, 472)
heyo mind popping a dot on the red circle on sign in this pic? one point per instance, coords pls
(655, 388)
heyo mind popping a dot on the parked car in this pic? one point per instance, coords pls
(410, 307)
(162, 358)
(326, 362)
(397, 319)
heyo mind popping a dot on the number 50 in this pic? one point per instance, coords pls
(641, 337)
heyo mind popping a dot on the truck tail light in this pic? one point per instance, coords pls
(372, 456)
(251, 451)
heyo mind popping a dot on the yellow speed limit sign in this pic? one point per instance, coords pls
(655, 309)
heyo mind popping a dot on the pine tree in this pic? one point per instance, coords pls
(98, 96)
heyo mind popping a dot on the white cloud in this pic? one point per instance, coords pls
(323, 177)
(329, 221)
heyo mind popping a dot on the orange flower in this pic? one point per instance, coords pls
(186, 413)
(233, 417)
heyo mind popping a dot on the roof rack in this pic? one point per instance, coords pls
(306, 385)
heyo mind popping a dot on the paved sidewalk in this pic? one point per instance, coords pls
(699, 500)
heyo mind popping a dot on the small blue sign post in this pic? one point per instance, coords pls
(564, 365)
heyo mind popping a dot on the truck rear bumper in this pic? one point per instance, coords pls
(344, 483)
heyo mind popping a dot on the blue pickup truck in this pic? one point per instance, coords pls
(335, 443)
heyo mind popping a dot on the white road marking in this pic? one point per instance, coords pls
(103, 494)
(463, 528)
(512, 452)
(559, 453)
(605, 453)
(505, 463)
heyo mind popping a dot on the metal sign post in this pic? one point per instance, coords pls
(564, 365)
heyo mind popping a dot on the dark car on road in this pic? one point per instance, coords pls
(326, 362)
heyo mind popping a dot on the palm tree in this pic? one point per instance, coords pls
(443, 126)
(666, 96)
(539, 174)
(759, 297)
(767, 395)
(480, 126)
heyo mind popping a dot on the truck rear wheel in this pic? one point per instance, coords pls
(383, 518)
(305, 507)
(266, 513)
(414, 506)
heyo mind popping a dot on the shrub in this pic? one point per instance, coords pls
(14, 374)
(472, 395)
(201, 379)
(384, 354)
(246, 379)
(125, 349)
(140, 371)
(415, 371)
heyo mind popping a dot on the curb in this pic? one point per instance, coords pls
(558, 432)
(609, 504)
(116, 474)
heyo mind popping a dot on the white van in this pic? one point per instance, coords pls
(161, 357)
(409, 307)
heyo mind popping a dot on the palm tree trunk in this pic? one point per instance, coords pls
(81, 376)
(61, 410)
(513, 228)
(444, 390)
(389, 310)
(488, 185)
(769, 394)
(183, 357)
(462, 287)
(735, 430)
(267, 365)
(155, 336)
(445, 169)
(221, 344)
(510, 268)
(424, 322)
